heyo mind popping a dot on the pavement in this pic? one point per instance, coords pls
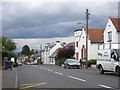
(0, 79)
(47, 76)
(9, 79)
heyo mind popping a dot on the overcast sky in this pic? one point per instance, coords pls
(52, 19)
(37, 22)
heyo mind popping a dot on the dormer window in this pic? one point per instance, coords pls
(110, 36)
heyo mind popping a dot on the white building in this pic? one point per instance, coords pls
(112, 34)
(48, 56)
(94, 38)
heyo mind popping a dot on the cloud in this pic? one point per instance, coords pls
(35, 43)
(52, 19)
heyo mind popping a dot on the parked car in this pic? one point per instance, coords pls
(71, 63)
(35, 62)
(27, 63)
(19, 64)
(32, 63)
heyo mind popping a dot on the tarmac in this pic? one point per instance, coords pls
(9, 79)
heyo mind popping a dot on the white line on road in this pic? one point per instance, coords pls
(50, 70)
(16, 82)
(44, 68)
(104, 86)
(58, 73)
(76, 78)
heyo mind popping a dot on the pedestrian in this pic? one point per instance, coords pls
(4, 61)
(8, 64)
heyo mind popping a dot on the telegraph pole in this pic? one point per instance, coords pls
(87, 18)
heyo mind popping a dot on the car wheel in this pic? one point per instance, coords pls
(101, 71)
(118, 71)
(68, 67)
(78, 67)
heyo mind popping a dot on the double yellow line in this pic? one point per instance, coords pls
(32, 85)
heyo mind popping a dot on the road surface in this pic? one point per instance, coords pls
(47, 76)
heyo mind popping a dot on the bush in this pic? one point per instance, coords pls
(90, 62)
(60, 61)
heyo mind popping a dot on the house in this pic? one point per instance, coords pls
(50, 51)
(112, 34)
(94, 38)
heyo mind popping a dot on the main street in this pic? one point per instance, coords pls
(47, 76)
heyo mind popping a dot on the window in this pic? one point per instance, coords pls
(76, 56)
(109, 36)
(76, 44)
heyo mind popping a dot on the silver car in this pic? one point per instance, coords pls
(71, 63)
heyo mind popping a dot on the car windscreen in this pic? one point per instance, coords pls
(118, 52)
(72, 61)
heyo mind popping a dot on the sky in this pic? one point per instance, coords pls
(37, 22)
(37, 43)
(45, 19)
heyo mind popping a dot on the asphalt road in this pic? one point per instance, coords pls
(47, 76)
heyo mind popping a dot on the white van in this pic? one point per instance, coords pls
(109, 61)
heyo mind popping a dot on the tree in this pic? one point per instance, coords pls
(63, 53)
(26, 50)
(66, 52)
(7, 44)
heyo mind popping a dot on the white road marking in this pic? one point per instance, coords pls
(58, 73)
(76, 78)
(44, 68)
(16, 82)
(50, 70)
(104, 86)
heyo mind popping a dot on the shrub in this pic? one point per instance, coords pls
(92, 61)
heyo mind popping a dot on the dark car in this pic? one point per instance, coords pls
(71, 63)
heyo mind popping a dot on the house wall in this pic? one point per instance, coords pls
(93, 49)
(115, 35)
(49, 54)
(80, 37)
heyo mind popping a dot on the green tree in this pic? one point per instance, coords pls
(26, 50)
(7, 44)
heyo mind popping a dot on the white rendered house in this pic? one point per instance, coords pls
(112, 34)
(94, 38)
(50, 52)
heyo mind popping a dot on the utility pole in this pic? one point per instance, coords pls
(87, 17)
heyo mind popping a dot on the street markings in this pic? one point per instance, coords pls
(50, 70)
(77, 78)
(44, 68)
(104, 86)
(25, 86)
(58, 73)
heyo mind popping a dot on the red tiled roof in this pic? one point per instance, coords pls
(116, 23)
(95, 35)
